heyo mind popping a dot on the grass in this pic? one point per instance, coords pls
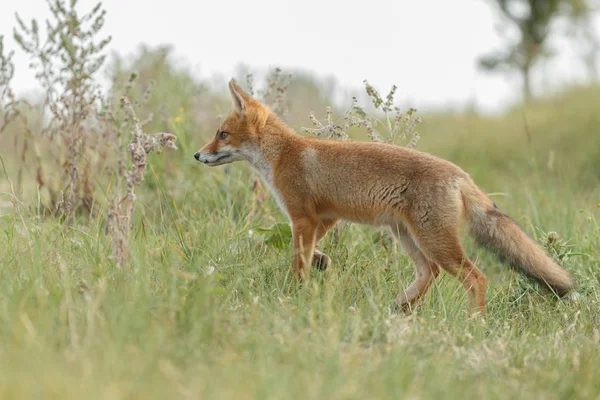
(206, 308)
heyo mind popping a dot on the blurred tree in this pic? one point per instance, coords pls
(582, 30)
(535, 20)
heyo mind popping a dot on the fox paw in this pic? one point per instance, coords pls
(401, 306)
(321, 261)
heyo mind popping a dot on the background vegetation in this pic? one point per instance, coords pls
(200, 304)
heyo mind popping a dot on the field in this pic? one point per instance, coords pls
(205, 307)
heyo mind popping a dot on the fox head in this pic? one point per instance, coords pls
(239, 134)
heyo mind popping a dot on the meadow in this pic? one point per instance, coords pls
(205, 307)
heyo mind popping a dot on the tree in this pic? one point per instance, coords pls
(535, 21)
(581, 30)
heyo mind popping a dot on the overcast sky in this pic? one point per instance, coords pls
(427, 47)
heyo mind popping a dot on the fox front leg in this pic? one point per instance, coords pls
(304, 232)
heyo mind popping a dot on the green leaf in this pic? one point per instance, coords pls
(278, 235)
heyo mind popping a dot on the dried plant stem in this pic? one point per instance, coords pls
(16, 202)
(121, 210)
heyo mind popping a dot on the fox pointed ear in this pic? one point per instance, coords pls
(241, 99)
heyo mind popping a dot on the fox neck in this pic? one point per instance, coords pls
(274, 138)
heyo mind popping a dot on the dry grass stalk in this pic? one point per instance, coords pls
(121, 209)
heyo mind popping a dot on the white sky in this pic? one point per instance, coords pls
(428, 48)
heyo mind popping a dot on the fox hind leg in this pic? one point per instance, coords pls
(321, 260)
(425, 270)
(445, 250)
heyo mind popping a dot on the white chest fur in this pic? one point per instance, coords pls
(265, 170)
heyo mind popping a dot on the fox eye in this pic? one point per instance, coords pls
(223, 135)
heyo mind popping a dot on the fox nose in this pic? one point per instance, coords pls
(197, 156)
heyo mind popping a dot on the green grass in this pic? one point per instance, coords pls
(206, 309)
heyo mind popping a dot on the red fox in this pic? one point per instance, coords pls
(422, 198)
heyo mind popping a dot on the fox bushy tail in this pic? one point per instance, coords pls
(497, 232)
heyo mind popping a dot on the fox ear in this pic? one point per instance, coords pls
(241, 99)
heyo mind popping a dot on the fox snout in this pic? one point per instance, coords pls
(208, 153)
(200, 156)
(206, 158)
(223, 155)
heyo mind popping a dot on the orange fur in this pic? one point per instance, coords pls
(422, 198)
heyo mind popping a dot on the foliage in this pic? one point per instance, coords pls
(277, 235)
(66, 64)
(535, 22)
(204, 311)
(397, 125)
(90, 142)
